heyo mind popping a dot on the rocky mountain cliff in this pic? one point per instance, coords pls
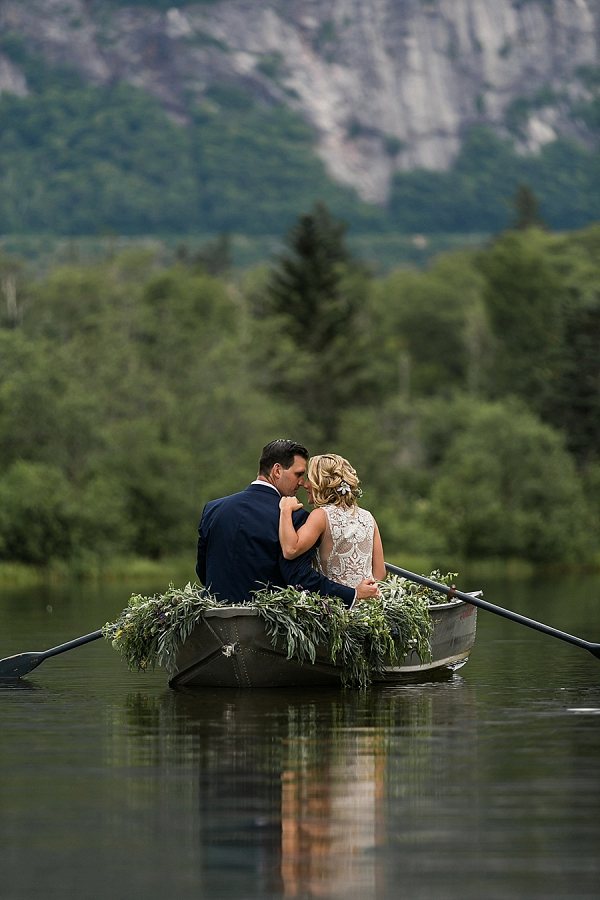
(387, 84)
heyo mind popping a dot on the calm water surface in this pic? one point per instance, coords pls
(486, 785)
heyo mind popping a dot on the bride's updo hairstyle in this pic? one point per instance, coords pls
(334, 481)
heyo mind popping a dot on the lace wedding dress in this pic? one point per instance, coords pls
(345, 554)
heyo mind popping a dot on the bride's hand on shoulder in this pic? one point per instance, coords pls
(291, 503)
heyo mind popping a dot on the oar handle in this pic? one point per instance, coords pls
(497, 610)
(62, 648)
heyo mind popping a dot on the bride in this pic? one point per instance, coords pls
(349, 544)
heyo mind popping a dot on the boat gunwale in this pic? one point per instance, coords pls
(228, 612)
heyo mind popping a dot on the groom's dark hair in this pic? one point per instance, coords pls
(282, 452)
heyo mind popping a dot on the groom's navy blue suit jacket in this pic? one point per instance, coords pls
(239, 550)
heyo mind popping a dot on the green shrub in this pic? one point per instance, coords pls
(507, 487)
(43, 518)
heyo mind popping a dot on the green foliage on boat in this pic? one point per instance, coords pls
(364, 640)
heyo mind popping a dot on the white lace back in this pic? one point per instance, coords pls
(350, 559)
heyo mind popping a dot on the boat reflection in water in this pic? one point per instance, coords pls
(294, 787)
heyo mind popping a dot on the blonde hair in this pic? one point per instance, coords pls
(334, 481)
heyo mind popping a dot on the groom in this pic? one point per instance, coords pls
(238, 544)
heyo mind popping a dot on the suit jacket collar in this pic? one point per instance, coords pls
(264, 488)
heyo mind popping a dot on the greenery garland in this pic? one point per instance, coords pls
(363, 641)
(150, 630)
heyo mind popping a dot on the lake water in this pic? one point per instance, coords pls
(485, 785)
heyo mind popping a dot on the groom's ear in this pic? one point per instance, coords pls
(276, 471)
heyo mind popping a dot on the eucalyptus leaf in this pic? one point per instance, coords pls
(363, 641)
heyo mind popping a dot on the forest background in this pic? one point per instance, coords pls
(467, 395)
(138, 385)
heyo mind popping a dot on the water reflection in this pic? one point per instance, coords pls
(11, 685)
(329, 824)
(292, 788)
(487, 784)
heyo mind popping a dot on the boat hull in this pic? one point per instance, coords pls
(230, 648)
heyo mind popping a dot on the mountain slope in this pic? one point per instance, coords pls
(387, 84)
(384, 91)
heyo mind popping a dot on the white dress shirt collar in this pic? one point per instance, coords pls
(268, 484)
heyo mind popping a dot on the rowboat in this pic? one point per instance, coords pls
(231, 648)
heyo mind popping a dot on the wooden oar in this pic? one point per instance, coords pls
(22, 663)
(497, 610)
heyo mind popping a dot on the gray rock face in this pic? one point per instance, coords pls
(11, 79)
(387, 84)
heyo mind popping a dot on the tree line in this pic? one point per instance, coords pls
(467, 395)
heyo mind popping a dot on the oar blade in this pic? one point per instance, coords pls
(19, 665)
(22, 663)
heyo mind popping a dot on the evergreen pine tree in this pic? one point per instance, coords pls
(526, 208)
(318, 291)
(574, 405)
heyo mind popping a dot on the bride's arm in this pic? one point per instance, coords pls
(293, 542)
(378, 558)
